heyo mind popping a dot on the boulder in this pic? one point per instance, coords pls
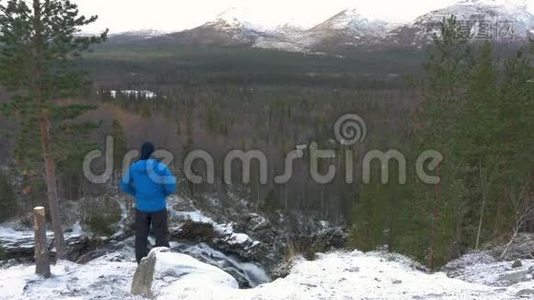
(525, 293)
(517, 264)
(194, 231)
(253, 222)
(144, 275)
(513, 278)
(164, 272)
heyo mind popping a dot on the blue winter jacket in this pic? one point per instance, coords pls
(150, 182)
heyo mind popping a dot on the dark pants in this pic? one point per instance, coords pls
(143, 221)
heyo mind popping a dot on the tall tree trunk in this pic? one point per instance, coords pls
(392, 214)
(51, 184)
(322, 214)
(286, 204)
(435, 220)
(484, 188)
(44, 125)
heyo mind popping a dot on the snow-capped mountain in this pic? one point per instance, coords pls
(290, 28)
(352, 23)
(233, 19)
(229, 27)
(497, 20)
(288, 37)
(348, 28)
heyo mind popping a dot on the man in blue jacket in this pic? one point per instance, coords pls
(150, 182)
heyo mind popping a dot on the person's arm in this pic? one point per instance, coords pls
(170, 184)
(126, 184)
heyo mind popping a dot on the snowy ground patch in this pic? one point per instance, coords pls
(107, 277)
(338, 275)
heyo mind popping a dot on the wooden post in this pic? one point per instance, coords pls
(42, 263)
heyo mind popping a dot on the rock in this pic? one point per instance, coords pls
(144, 275)
(262, 238)
(462, 265)
(517, 264)
(167, 272)
(515, 277)
(194, 231)
(353, 269)
(521, 247)
(180, 272)
(19, 244)
(182, 204)
(526, 293)
(254, 222)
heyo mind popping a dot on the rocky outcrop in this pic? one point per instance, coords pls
(267, 239)
(483, 268)
(512, 278)
(164, 271)
(521, 248)
(525, 293)
(19, 244)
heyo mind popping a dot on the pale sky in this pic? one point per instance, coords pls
(174, 15)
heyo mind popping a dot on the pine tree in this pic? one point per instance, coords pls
(39, 46)
(443, 90)
(119, 145)
(476, 145)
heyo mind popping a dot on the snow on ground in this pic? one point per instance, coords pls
(485, 269)
(108, 277)
(359, 276)
(336, 275)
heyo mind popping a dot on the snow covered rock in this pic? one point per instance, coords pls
(194, 225)
(144, 275)
(521, 248)
(247, 274)
(458, 266)
(525, 293)
(511, 278)
(179, 272)
(163, 270)
(483, 268)
(19, 244)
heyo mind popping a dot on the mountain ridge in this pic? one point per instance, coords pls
(499, 20)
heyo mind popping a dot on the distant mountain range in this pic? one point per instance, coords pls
(498, 20)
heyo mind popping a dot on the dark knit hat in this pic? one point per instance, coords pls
(146, 150)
